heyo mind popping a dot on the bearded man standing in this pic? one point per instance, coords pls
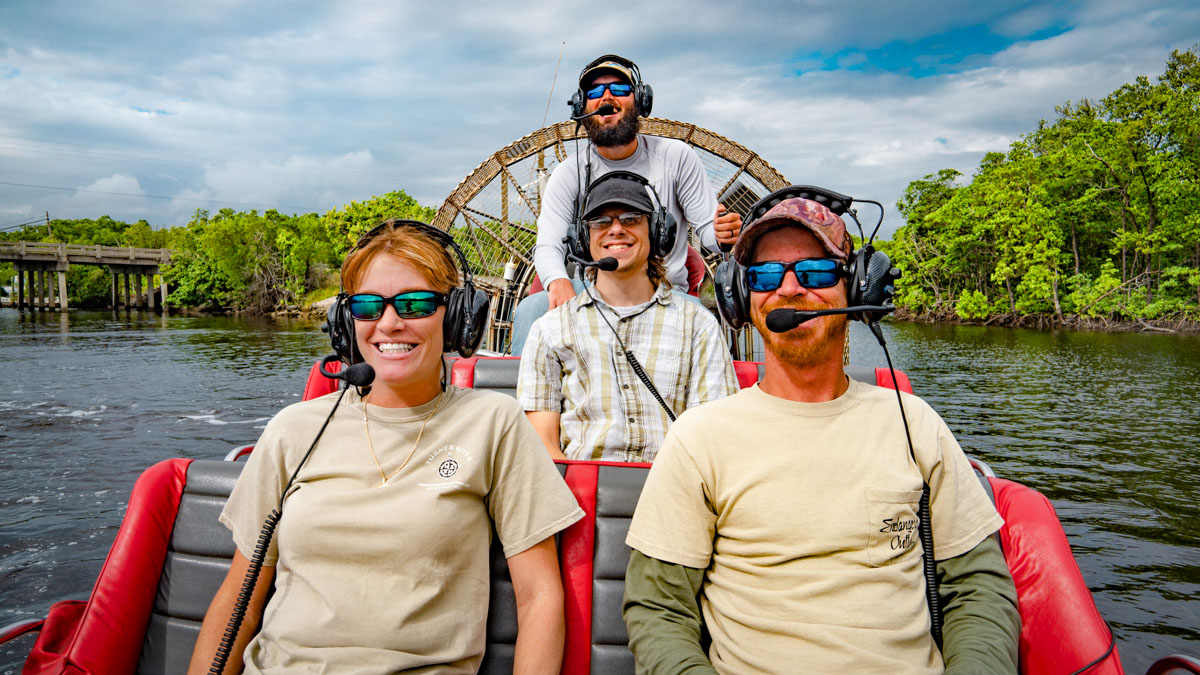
(784, 518)
(614, 83)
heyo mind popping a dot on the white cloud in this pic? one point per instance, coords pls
(333, 102)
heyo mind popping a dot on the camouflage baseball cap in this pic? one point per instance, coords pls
(829, 228)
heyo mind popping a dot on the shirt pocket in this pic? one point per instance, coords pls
(892, 524)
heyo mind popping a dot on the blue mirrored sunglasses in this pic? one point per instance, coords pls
(810, 273)
(617, 89)
(410, 305)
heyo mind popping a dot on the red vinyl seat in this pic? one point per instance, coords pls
(171, 553)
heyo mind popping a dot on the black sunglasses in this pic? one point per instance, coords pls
(810, 273)
(408, 305)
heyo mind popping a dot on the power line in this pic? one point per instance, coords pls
(305, 209)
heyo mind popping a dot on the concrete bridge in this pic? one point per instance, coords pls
(37, 261)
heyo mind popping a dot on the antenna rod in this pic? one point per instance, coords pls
(552, 83)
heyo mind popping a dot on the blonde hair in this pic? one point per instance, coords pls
(407, 242)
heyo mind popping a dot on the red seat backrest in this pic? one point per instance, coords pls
(318, 385)
(1061, 629)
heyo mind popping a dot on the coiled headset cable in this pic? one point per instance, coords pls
(253, 571)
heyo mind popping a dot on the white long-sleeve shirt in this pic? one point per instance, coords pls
(670, 165)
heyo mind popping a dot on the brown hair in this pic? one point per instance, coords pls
(404, 241)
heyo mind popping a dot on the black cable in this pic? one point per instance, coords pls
(256, 560)
(924, 527)
(633, 362)
(1112, 644)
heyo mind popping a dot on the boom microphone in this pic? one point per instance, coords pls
(783, 320)
(359, 374)
(608, 264)
(606, 109)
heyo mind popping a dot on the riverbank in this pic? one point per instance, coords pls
(1045, 322)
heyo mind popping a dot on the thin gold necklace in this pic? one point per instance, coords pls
(371, 446)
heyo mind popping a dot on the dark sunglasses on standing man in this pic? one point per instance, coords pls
(618, 89)
(810, 273)
(408, 305)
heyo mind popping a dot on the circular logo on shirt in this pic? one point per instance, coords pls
(447, 468)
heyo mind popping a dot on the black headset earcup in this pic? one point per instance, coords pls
(578, 240)
(733, 300)
(475, 312)
(340, 326)
(879, 286)
(645, 98)
(577, 103)
(466, 316)
(664, 234)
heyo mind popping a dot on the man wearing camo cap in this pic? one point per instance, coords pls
(783, 519)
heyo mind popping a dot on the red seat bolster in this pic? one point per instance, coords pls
(105, 635)
(1061, 629)
(883, 378)
(576, 564)
(462, 373)
(318, 385)
(747, 373)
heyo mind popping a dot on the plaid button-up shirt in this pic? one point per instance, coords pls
(573, 365)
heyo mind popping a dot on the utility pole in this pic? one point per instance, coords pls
(48, 233)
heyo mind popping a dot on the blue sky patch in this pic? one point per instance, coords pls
(945, 53)
(147, 110)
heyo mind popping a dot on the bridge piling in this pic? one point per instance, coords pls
(38, 290)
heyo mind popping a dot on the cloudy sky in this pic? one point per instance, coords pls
(136, 109)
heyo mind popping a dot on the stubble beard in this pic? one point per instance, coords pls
(622, 133)
(808, 349)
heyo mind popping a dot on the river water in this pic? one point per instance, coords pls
(1105, 425)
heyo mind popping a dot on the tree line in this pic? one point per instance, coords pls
(230, 260)
(1093, 216)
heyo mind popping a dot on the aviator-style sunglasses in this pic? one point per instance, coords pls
(810, 273)
(627, 219)
(408, 305)
(616, 88)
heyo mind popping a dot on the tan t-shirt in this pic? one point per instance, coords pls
(392, 578)
(804, 516)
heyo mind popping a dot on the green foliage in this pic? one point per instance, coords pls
(972, 305)
(1096, 213)
(89, 287)
(344, 226)
(230, 259)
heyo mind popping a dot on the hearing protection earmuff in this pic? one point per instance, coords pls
(869, 272)
(662, 222)
(643, 94)
(466, 306)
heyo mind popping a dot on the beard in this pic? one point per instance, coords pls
(806, 344)
(621, 133)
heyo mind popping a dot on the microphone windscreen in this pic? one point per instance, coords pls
(782, 320)
(359, 374)
(607, 264)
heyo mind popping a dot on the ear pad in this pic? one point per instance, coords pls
(340, 326)
(871, 278)
(578, 240)
(733, 298)
(466, 316)
(662, 231)
(644, 95)
(577, 103)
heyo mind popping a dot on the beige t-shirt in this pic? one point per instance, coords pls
(804, 516)
(392, 578)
